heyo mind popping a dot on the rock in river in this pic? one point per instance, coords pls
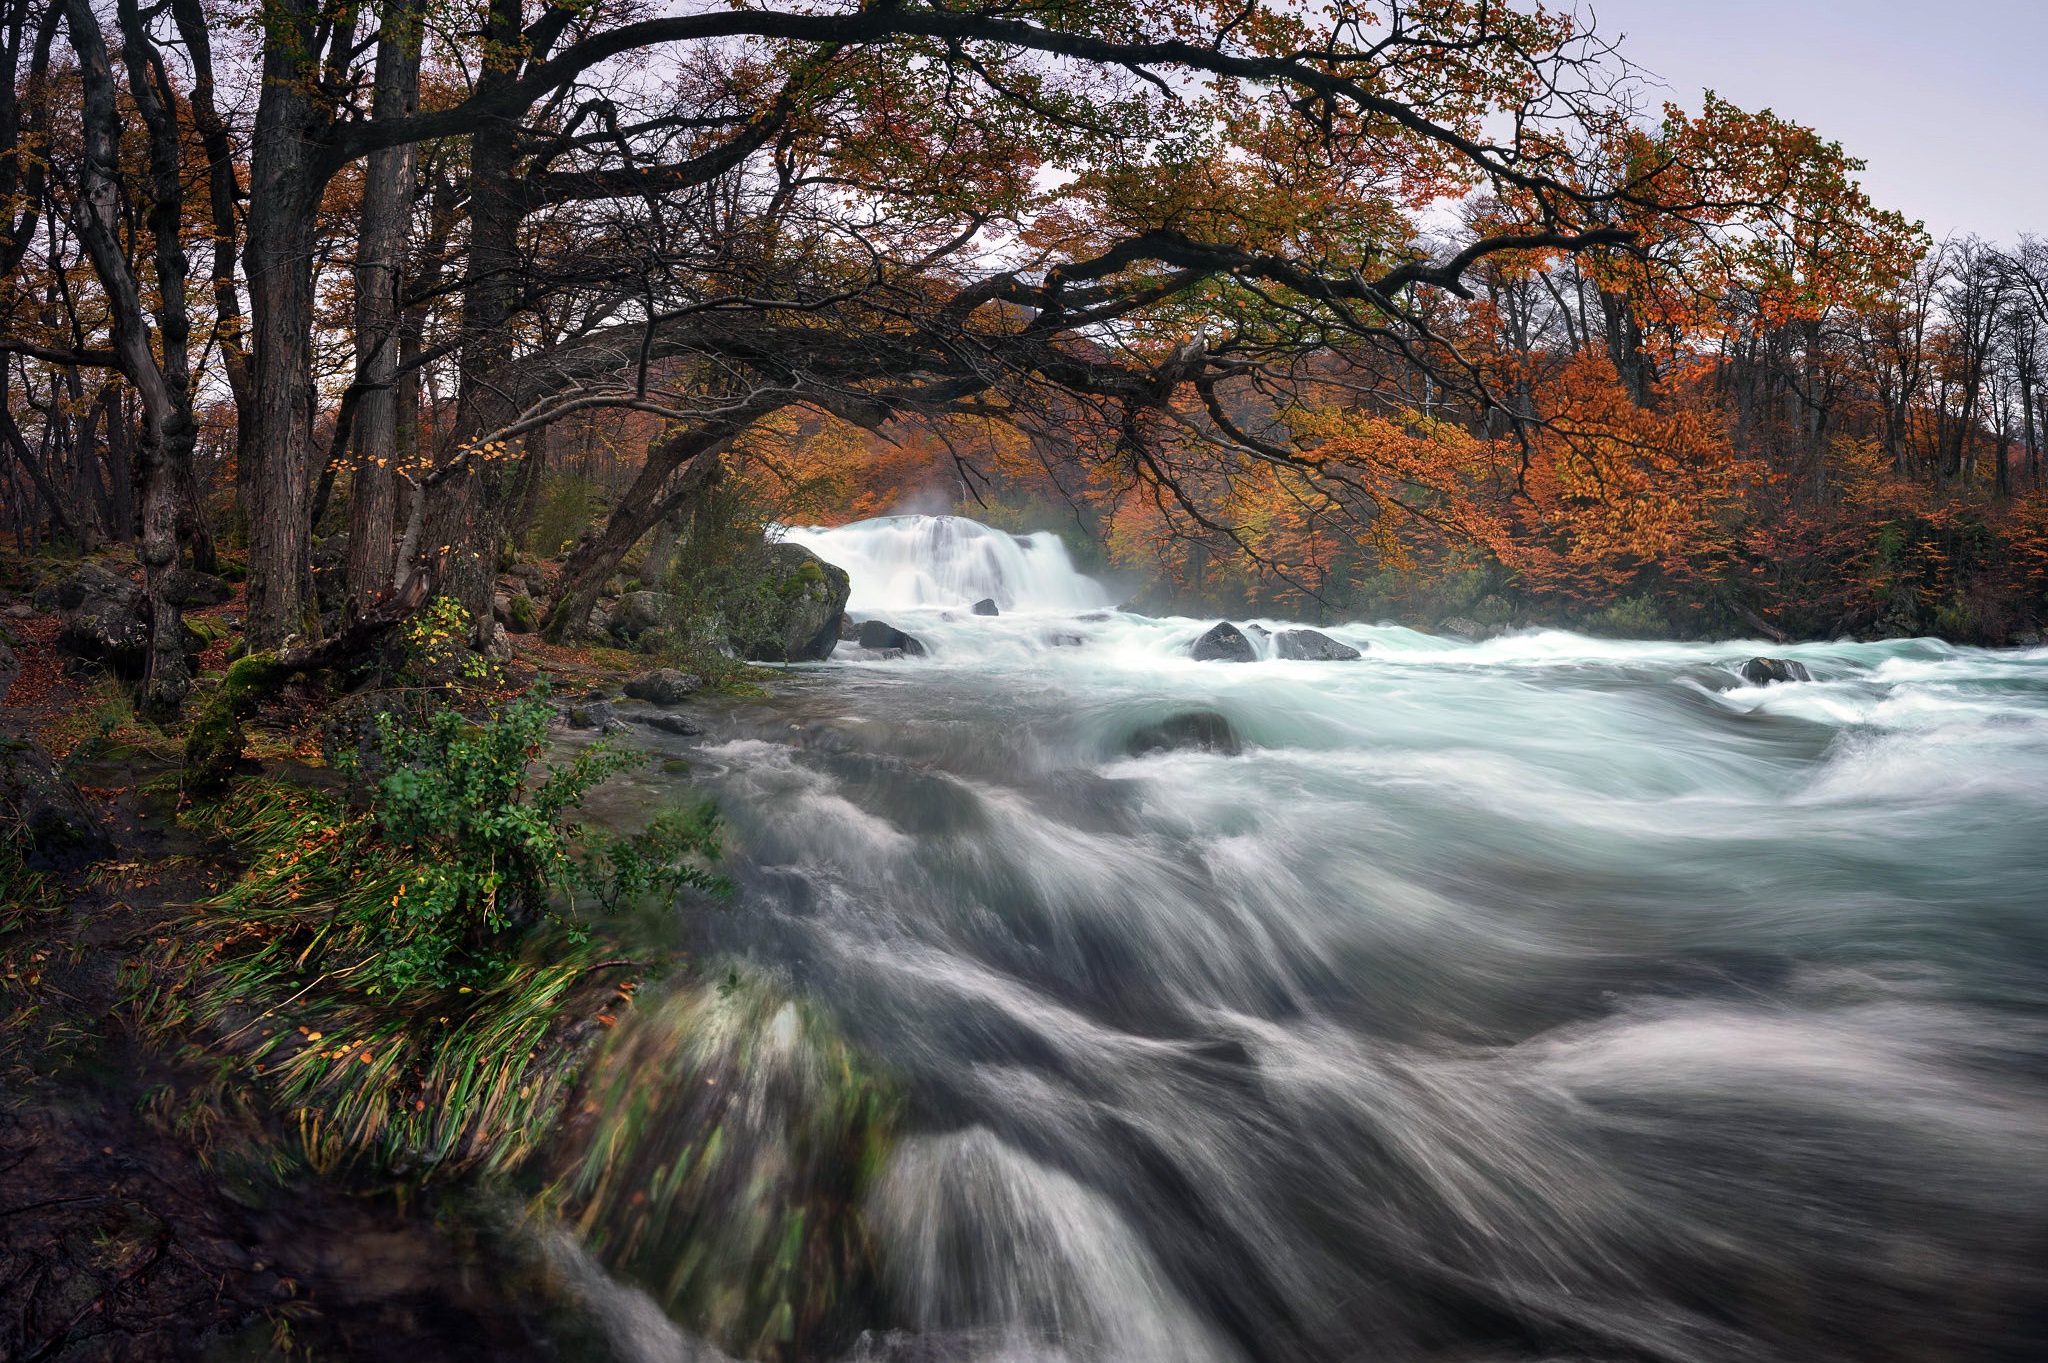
(664, 686)
(1199, 730)
(883, 637)
(1311, 646)
(1225, 643)
(1764, 671)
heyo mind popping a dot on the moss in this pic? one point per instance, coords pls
(215, 743)
(525, 615)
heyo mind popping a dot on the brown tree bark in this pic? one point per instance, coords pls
(380, 254)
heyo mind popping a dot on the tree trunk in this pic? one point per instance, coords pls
(386, 212)
(284, 192)
(698, 453)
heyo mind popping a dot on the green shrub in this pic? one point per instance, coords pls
(401, 975)
(461, 846)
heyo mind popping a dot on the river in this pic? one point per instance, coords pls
(1550, 997)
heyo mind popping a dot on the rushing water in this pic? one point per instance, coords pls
(1551, 997)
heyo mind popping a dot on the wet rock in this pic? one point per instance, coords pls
(795, 610)
(1764, 671)
(1060, 638)
(986, 606)
(1224, 643)
(673, 724)
(881, 636)
(664, 686)
(595, 714)
(1093, 617)
(1195, 730)
(1311, 646)
(48, 816)
(1464, 627)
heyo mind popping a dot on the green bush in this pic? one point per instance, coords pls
(402, 977)
(461, 847)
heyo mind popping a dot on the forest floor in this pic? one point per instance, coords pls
(140, 1218)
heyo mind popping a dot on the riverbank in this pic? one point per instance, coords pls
(162, 1197)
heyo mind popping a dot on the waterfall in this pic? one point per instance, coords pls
(899, 562)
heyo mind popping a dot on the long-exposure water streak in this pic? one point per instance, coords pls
(1550, 997)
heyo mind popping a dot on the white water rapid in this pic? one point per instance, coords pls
(1547, 998)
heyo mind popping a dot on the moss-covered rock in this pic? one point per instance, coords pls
(788, 606)
(215, 743)
(731, 1139)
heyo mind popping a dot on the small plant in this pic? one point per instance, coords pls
(462, 845)
(402, 975)
(434, 644)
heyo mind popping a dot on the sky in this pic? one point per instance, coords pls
(1947, 100)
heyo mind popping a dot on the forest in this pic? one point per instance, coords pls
(1403, 307)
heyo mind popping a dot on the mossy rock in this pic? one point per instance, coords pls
(794, 610)
(735, 1136)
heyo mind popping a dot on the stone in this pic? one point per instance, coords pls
(796, 613)
(597, 628)
(1764, 671)
(1060, 638)
(498, 644)
(57, 827)
(21, 610)
(101, 620)
(1224, 643)
(986, 606)
(595, 714)
(881, 636)
(638, 612)
(189, 590)
(1311, 646)
(1464, 628)
(664, 686)
(674, 724)
(1195, 730)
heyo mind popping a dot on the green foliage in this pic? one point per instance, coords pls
(1633, 617)
(463, 844)
(400, 974)
(434, 644)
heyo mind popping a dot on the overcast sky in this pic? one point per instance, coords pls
(1946, 99)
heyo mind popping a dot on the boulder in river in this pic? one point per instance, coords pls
(795, 614)
(1194, 730)
(1224, 643)
(1464, 627)
(986, 606)
(1764, 671)
(883, 637)
(664, 686)
(1311, 646)
(673, 724)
